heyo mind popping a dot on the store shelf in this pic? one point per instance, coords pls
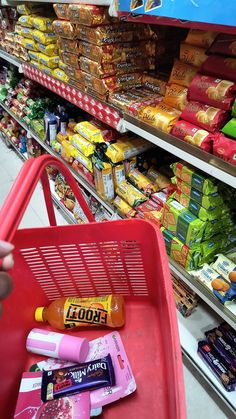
(10, 58)
(79, 177)
(191, 330)
(205, 161)
(227, 313)
(95, 107)
(96, 2)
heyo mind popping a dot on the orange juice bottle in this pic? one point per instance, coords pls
(69, 312)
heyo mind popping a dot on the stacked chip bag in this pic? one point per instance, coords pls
(185, 299)
(218, 351)
(196, 218)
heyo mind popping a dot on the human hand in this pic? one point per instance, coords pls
(7, 263)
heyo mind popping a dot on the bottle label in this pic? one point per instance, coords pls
(87, 311)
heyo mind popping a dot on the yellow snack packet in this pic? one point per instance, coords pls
(60, 75)
(158, 178)
(124, 208)
(25, 20)
(200, 38)
(46, 69)
(26, 32)
(141, 182)
(89, 132)
(43, 37)
(118, 173)
(85, 161)
(42, 23)
(29, 44)
(33, 55)
(35, 64)
(50, 49)
(182, 73)
(62, 65)
(193, 55)
(83, 145)
(176, 96)
(51, 62)
(130, 194)
(125, 148)
(161, 116)
(104, 181)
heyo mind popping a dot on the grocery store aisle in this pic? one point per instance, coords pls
(200, 398)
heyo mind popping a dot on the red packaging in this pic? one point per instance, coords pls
(207, 117)
(212, 91)
(225, 148)
(225, 44)
(149, 205)
(223, 67)
(193, 135)
(160, 197)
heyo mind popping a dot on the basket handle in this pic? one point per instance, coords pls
(19, 196)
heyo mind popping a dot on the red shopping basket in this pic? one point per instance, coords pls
(126, 257)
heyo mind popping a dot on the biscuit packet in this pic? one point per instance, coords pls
(154, 84)
(176, 96)
(29, 44)
(207, 117)
(42, 23)
(89, 132)
(160, 116)
(219, 66)
(193, 135)
(212, 91)
(130, 194)
(25, 20)
(179, 252)
(124, 208)
(225, 148)
(83, 145)
(51, 62)
(230, 128)
(81, 158)
(68, 45)
(198, 180)
(224, 266)
(126, 148)
(64, 29)
(191, 54)
(141, 182)
(182, 73)
(26, 32)
(103, 178)
(43, 37)
(207, 201)
(200, 38)
(112, 83)
(161, 181)
(206, 275)
(61, 10)
(195, 207)
(70, 59)
(50, 49)
(224, 44)
(89, 15)
(118, 171)
(153, 216)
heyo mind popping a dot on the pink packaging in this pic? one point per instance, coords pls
(193, 135)
(160, 198)
(223, 67)
(225, 148)
(212, 91)
(207, 117)
(148, 206)
(29, 404)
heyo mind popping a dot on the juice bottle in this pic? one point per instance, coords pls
(69, 312)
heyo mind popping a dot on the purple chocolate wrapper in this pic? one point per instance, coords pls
(229, 333)
(82, 377)
(214, 362)
(226, 351)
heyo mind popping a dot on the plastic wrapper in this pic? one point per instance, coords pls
(111, 34)
(134, 100)
(103, 179)
(225, 148)
(224, 44)
(70, 59)
(200, 38)
(83, 145)
(182, 223)
(182, 74)
(222, 67)
(61, 10)
(207, 201)
(118, 173)
(74, 73)
(109, 134)
(59, 74)
(89, 15)
(50, 49)
(196, 208)
(109, 69)
(43, 37)
(193, 55)
(161, 181)
(111, 84)
(68, 45)
(209, 277)
(154, 84)
(26, 32)
(161, 116)
(130, 194)
(29, 8)
(89, 131)
(230, 128)
(46, 69)
(33, 55)
(64, 29)
(176, 96)
(126, 148)
(141, 182)
(62, 66)
(25, 20)
(124, 208)
(182, 254)
(51, 62)
(29, 44)
(212, 91)
(193, 135)
(207, 117)
(42, 23)
(196, 179)
(224, 266)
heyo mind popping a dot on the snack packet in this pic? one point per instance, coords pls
(61, 10)
(83, 145)
(89, 15)
(207, 117)
(130, 194)
(197, 179)
(50, 49)
(194, 135)
(158, 178)
(43, 37)
(124, 208)
(207, 201)
(196, 208)
(225, 148)
(224, 266)
(161, 116)
(182, 74)
(193, 55)
(230, 128)
(118, 173)
(200, 38)
(125, 148)
(222, 67)
(42, 23)
(141, 182)
(176, 96)
(224, 44)
(212, 91)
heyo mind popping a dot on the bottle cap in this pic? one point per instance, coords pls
(39, 314)
(73, 348)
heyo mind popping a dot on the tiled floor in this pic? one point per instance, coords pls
(200, 398)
